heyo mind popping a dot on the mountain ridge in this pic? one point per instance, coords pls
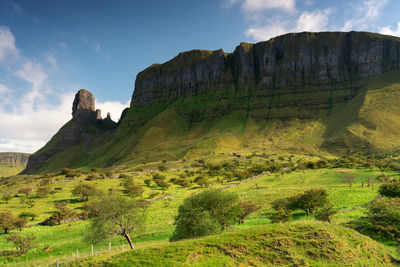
(300, 91)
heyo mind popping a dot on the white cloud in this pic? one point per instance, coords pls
(7, 43)
(317, 20)
(114, 107)
(388, 30)
(260, 5)
(365, 13)
(28, 121)
(4, 89)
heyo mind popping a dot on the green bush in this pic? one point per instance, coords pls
(390, 189)
(206, 213)
(384, 218)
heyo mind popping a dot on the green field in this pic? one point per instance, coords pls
(60, 243)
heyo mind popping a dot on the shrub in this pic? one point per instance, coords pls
(147, 182)
(59, 216)
(206, 213)
(27, 214)
(311, 200)
(25, 190)
(281, 215)
(162, 184)
(43, 191)
(384, 218)
(390, 189)
(202, 181)
(246, 208)
(84, 191)
(325, 213)
(22, 243)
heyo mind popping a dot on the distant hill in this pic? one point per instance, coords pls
(328, 92)
(12, 163)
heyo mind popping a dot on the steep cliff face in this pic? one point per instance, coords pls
(13, 159)
(283, 65)
(330, 91)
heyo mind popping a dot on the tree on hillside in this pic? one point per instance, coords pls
(246, 208)
(390, 189)
(6, 198)
(9, 222)
(348, 179)
(84, 191)
(25, 190)
(116, 215)
(22, 243)
(43, 191)
(311, 200)
(206, 213)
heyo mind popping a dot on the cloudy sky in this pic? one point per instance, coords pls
(51, 48)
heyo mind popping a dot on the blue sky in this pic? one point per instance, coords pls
(51, 48)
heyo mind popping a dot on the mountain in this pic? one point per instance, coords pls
(328, 92)
(12, 163)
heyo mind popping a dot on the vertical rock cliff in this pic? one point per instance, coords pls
(284, 65)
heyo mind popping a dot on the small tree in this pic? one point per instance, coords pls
(22, 243)
(246, 208)
(311, 200)
(59, 216)
(27, 214)
(325, 213)
(84, 191)
(390, 189)
(384, 218)
(19, 223)
(348, 179)
(147, 182)
(162, 184)
(43, 191)
(6, 198)
(206, 213)
(116, 215)
(7, 221)
(25, 190)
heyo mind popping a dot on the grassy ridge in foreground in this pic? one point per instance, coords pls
(297, 243)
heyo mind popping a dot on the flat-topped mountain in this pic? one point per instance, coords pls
(331, 92)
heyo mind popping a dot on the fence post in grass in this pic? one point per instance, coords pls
(123, 246)
(109, 246)
(77, 253)
(92, 250)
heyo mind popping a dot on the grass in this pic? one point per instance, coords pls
(59, 243)
(298, 243)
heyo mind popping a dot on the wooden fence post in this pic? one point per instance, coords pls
(109, 246)
(92, 250)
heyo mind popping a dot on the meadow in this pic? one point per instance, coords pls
(60, 243)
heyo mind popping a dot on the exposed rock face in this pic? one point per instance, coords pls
(85, 126)
(83, 106)
(13, 159)
(98, 114)
(281, 65)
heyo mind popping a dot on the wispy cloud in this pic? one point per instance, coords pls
(316, 20)
(364, 13)
(388, 30)
(28, 117)
(7, 44)
(94, 44)
(261, 5)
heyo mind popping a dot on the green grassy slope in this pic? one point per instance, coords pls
(293, 244)
(227, 121)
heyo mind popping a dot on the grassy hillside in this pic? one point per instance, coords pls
(293, 244)
(206, 124)
(59, 243)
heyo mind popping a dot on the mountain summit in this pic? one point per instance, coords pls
(333, 92)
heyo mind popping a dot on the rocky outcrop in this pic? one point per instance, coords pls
(83, 106)
(86, 124)
(282, 65)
